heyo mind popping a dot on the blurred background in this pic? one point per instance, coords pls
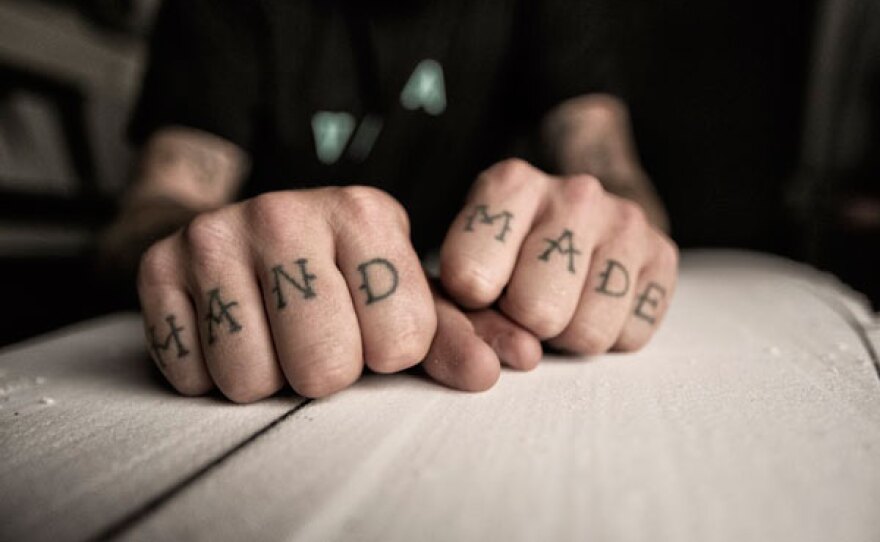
(758, 122)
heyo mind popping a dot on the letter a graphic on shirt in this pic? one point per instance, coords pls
(331, 130)
(425, 88)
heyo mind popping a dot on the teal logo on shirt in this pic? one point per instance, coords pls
(333, 130)
(425, 89)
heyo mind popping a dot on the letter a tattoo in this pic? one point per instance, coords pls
(481, 211)
(556, 245)
(173, 336)
(372, 296)
(305, 287)
(219, 311)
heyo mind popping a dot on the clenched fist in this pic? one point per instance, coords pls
(578, 267)
(301, 286)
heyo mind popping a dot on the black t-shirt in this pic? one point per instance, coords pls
(414, 97)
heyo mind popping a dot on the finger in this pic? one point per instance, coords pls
(170, 321)
(311, 316)
(458, 358)
(386, 282)
(552, 266)
(481, 247)
(234, 333)
(653, 293)
(514, 346)
(608, 294)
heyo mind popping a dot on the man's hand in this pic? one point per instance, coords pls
(302, 286)
(573, 264)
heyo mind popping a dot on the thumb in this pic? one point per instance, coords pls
(468, 348)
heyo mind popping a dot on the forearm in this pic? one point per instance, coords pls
(181, 173)
(592, 134)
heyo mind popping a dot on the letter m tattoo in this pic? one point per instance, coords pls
(481, 212)
(173, 337)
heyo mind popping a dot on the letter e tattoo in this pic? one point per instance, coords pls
(645, 299)
(367, 286)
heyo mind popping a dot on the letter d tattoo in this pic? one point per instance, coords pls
(367, 286)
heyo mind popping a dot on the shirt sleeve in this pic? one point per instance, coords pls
(204, 71)
(568, 48)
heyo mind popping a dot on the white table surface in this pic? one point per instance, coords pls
(753, 415)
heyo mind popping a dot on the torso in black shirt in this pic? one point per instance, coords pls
(412, 97)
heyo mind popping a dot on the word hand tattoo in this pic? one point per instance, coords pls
(218, 312)
(481, 212)
(304, 284)
(173, 337)
(370, 271)
(556, 245)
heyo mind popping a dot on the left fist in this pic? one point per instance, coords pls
(580, 268)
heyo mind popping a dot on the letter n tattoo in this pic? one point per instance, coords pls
(367, 286)
(218, 311)
(173, 336)
(482, 212)
(305, 287)
(556, 245)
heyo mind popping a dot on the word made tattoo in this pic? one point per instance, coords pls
(304, 284)
(173, 337)
(218, 312)
(371, 272)
(611, 286)
(564, 245)
(481, 212)
(652, 296)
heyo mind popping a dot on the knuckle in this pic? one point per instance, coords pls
(507, 177)
(584, 338)
(407, 347)
(191, 386)
(207, 234)
(240, 390)
(367, 205)
(158, 265)
(631, 342)
(542, 318)
(469, 283)
(322, 368)
(631, 216)
(270, 215)
(668, 252)
(582, 190)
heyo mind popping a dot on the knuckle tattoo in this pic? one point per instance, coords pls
(370, 272)
(614, 279)
(563, 245)
(480, 214)
(158, 348)
(303, 284)
(219, 312)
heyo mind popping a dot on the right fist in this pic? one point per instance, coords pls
(301, 286)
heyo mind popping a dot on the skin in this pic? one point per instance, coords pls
(308, 287)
